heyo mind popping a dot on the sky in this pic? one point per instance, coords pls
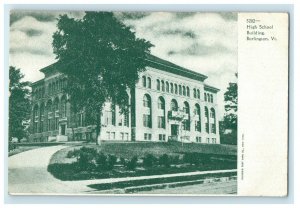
(202, 42)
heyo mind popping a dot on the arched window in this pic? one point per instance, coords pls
(149, 82)
(180, 90)
(212, 98)
(161, 103)
(205, 97)
(161, 115)
(147, 116)
(63, 107)
(147, 101)
(157, 84)
(56, 113)
(167, 86)
(197, 118)
(186, 121)
(208, 97)
(174, 105)
(49, 115)
(176, 89)
(144, 81)
(195, 93)
(183, 91)
(198, 94)
(206, 119)
(213, 124)
(42, 112)
(35, 118)
(163, 86)
(171, 88)
(188, 91)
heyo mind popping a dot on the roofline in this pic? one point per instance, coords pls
(211, 88)
(36, 82)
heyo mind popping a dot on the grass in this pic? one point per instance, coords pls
(141, 149)
(66, 168)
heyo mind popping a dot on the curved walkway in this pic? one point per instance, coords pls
(27, 174)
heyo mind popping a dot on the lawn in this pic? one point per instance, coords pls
(213, 157)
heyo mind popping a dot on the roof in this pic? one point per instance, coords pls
(211, 88)
(173, 68)
(152, 61)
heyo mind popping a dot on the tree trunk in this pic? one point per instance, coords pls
(98, 127)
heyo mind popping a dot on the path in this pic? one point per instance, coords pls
(27, 174)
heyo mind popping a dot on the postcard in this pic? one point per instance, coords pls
(148, 103)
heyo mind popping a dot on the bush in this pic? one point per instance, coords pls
(149, 160)
(164, 160)
(192, 158)
(132, 164)
(85, 160)
(11, 146)
(111, 161)
(122, 161)
(101, 161)
(73, 153)
(174, 159)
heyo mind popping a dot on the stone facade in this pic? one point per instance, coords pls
(169, 102)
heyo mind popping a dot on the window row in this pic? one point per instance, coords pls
(111, 135)
(208, 97)
(110, 117)
(174, 114)
(53, 87)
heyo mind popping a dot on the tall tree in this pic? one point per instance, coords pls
(101, 57)
(230, 118)
(19, 103)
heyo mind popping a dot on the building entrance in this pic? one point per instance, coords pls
(174, 131)
(63, 129)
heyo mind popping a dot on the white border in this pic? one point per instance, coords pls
(294, 84)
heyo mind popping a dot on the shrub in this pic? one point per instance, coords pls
(174, 159)
(101, 161)
(164, 160)
(149, 160)
(11, 146)
(85, 160)
(111, 161)
(192, 158)
(132, 164)
(73, 153)
(122, 161)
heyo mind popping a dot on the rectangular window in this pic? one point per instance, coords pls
(107, 135)
(198, 139)
(207, 140)
(162, 137)
(145, 136)
(126, 136)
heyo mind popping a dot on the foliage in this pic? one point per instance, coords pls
(164, 160)
(101, 57)
(19, 104)
(230, 119)
(149, 160)
(132, 164)
(73, 153)
(11, 146)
